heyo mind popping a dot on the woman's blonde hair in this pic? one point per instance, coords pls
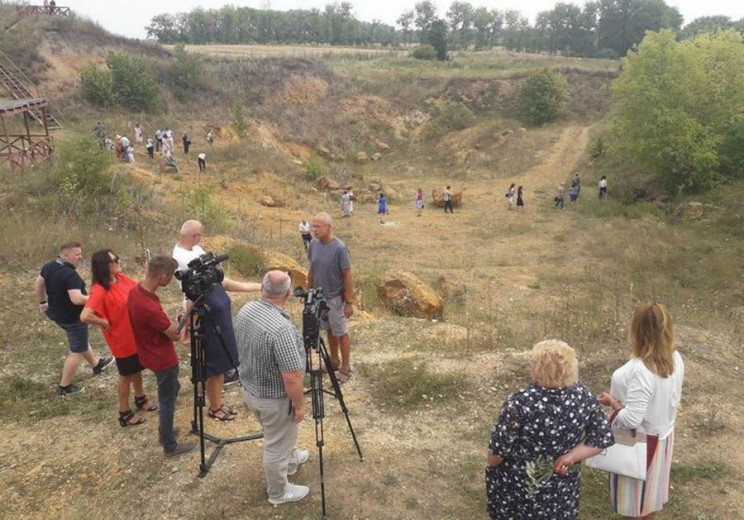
(652, 338)
(554, 364)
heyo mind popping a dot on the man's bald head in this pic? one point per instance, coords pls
(323, 227)
(191, 234)
(275, 286)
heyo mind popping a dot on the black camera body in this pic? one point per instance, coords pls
(201, 275)
(315, 304)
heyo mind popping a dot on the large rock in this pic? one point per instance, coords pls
(323, 183)
(269, 202)
(406, 295)
(689, 211)
(436, 196)
(274, 260)
(362, 157)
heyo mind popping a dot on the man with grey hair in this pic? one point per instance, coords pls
(272, 363)
(330, 268)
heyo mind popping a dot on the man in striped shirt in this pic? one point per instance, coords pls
(272, 362)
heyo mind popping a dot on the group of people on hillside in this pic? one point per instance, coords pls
(262, 340)
(162, 142)
(546, 428)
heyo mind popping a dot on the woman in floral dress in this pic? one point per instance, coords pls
(542, 431)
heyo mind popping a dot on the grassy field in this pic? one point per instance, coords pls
(424, 394)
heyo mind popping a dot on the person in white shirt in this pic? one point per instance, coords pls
(645, 394)
(201, 159)
(603, 188)
(305, 233)
(218, 362)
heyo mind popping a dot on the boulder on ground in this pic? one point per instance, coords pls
(274, 260)
(163, 168)
(382, 146)
(436, 196)
(689, 211)
(269, 202)
(376, 156)
(323, 183)
(406, 295)
(362, 157)
(323, 151)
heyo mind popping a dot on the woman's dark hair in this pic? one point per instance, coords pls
(519, 189)
(100, 267)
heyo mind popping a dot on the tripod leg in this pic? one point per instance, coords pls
(338, 394)
(316, 395)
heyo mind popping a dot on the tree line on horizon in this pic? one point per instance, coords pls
(602, 28)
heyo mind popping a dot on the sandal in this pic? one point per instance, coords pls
(125, 419)
(223, 417)
(142, 403)
(342, 377)
(228, 409)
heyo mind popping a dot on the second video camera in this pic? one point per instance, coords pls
(315, 303)
(201, 275)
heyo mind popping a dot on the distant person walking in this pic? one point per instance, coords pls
(201, 159)
(381, 208)
(150, 148)
(510, 196)
(603, 188)
(186, 143)
(576, 183)
(346, 204)
(137, 133)
(158, 139)
(520, 199)
(210, 138)
(573, 194)
(447, 198)
(305, 233)
(124, 148)
(560, 196)
(419, 202)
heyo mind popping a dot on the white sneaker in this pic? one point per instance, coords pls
(292, 493)
(302, 456)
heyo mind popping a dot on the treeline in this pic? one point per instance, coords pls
(601, 28)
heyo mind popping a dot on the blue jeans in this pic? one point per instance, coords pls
(168, 387)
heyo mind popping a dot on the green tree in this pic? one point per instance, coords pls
(96, 83)
(437, 38)
(543, 97)
(676, 103)
(186, 75)
(238, 119)
(405, 20)
(135, 84)
(426, 13)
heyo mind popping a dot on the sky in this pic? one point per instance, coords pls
(130, 17)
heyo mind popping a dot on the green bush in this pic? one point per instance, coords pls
(199, 203)
(542, 98)
(731, 153)
(81, 175)
(186, 75)
(314, 169)
(97, 85)
(238, 119)
(135, 83)
(424, 52)
(247, 260)
(456, 116)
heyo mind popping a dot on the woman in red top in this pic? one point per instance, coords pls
(107, 308)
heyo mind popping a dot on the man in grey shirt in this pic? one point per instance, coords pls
(330, 268)
(272, 362)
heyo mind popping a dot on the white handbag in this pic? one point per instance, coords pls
(626, 457)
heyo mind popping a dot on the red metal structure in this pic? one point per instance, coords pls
(23, 149)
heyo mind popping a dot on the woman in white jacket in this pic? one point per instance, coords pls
(645, 394)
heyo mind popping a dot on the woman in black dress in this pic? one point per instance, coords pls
(520, 200)
(541, 432)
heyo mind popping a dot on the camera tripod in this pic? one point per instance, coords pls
(317, 393)
(201, 311)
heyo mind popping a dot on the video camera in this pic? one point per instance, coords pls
(315, 303)
(201, 275)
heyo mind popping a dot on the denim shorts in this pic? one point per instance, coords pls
(77, 336)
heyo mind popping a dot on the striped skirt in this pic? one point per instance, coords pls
(636, 498)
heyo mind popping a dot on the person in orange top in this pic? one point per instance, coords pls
(107, 308)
